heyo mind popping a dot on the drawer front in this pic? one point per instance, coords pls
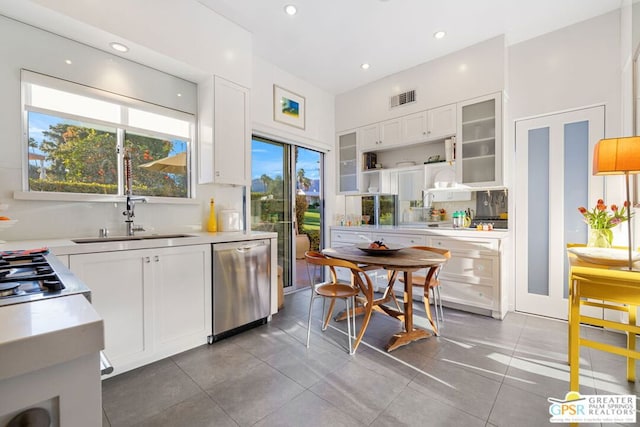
(464, 293)
(351, 237)
(405, 240)
(471, 270)
(469, 245)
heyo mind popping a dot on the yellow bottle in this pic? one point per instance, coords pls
(212, 224)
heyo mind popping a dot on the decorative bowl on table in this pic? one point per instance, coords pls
(384, 249)
(605, 256)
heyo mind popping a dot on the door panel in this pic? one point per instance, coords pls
(287, 179)
(553, 160)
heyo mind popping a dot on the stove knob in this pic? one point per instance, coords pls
(53, 285)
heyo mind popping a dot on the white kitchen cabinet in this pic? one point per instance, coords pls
(428, 125)
(414, 128)
(380, 136)
(479, 142)
(348, 162)
(441, 121)
(154, 302)
(472, 277)
(224, 138)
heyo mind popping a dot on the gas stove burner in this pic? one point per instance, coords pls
(44, 269)
(53, 284)
(33, 275)
(8, 289)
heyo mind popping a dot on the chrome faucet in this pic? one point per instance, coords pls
(130, 213)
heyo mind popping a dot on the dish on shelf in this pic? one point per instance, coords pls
(445, 178)
(404, 164)
(390, 249)
(605, 256)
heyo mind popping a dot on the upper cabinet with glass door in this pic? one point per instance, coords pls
(479, 146)
(348, 162)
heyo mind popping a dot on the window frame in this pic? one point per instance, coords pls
(124, 103)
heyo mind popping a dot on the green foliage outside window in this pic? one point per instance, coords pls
(74, 157)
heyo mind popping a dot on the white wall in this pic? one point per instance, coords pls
(184, 31)
(574, 67)
(475, 71)
(319, 132)
(44, 52)
(569, 68)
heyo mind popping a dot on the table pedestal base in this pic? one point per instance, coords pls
(404, 338)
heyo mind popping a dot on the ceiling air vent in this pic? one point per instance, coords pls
(403, 98)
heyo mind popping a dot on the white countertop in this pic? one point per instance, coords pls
(48, 332)
(429, 231)
(68, 247)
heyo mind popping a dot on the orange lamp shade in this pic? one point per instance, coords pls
(617, 156)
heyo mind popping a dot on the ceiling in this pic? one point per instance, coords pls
(327, 40)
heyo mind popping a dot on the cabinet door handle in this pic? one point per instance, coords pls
(147, 260)
(156, 258)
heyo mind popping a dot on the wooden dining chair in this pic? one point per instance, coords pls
(431, 284)
(334, 289)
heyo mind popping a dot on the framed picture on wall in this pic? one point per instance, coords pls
(288, 107)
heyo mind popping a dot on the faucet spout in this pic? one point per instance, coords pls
(129, 213)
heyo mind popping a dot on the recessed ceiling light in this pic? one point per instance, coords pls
(439, 34)
(365, 66)
(119, 47)
(290, 9)
(68, 61)
(179, 95)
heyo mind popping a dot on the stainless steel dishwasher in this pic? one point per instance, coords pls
(241, 286)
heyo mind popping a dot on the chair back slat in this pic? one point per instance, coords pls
(358, 275)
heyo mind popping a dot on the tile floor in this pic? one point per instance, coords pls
(479, 372)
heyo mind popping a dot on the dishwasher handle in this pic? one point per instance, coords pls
(247, 248)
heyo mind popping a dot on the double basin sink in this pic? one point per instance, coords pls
(130, 238)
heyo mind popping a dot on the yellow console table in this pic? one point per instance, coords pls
(615, 289)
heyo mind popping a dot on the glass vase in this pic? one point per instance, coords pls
(600, 238)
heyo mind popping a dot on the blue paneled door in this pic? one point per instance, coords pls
(553, 178)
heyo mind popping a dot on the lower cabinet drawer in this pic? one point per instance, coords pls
(470, 245)
(350, 237)
(402, 240)
(471, 269)
(465, 293)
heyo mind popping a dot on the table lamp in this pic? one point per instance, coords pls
(619, 156)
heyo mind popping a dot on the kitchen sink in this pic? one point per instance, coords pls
(129, 238)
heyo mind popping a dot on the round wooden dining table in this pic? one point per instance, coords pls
(404, 261)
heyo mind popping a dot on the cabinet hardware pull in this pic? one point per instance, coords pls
(156, 258)
(147, 260)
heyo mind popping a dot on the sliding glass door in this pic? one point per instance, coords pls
(286, 197)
